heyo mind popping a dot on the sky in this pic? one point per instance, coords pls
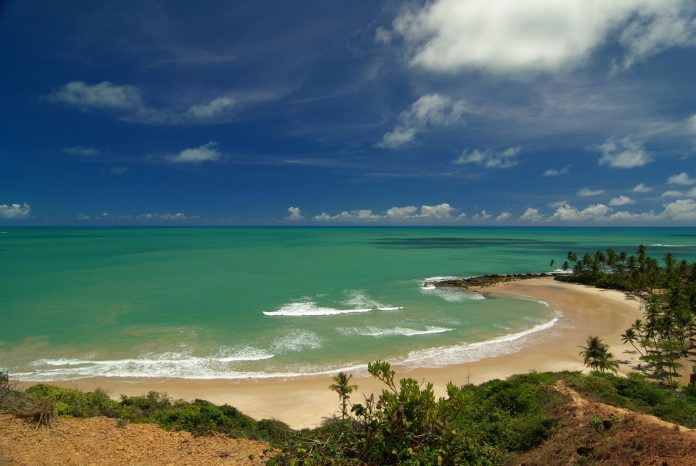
(361, 112)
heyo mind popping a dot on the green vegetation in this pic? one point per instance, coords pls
(198, 417)
(596, 355)
(666, 334)
(343, 387)
(406, 424)
(638, 393)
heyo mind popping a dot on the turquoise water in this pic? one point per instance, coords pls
(259, 302)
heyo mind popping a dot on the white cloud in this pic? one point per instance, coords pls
(382, 35)
(295, 214)
(205, 153)
(621, 200)
(214, 108)
(437, 211)
(682, 179)
(682, 209)
(102, 96)
(532, 215)
(14, 211)
(397, 137)
(568, 213)
(503, 216)
(691, 123)
(156, 216)
(673, 193)
(501, 36)
(642, 188)
(82, 151)
(480, 216)
(489, 158)
(361, 214)
(428, 110)
(555, 172)
(442, 211)
(587, 192)
(623, 153)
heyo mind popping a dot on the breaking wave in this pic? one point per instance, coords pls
(390, 332)
(470, 352)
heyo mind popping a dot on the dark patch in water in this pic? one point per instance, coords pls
(449, 242)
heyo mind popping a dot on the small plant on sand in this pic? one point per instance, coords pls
(597, 357)
(343, 387)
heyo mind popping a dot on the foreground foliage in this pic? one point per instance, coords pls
(406, 424)
(198, 417)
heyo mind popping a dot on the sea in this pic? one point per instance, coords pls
(249, 303)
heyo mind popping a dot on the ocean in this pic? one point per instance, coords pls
(239, 303)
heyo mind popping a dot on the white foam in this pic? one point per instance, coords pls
(395, 331)
(140, 368)
(560, 272)
(442, 356)
(296, 340)
(308, 307)
(390, 308)
(660, 245)
(453, 295)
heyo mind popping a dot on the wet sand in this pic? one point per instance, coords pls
(305, 401)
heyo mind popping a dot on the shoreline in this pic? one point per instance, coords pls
(304, 401)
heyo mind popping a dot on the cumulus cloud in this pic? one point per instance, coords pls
(674, 193)
(480, 216)
(554, 172)
(82, 151)
(402, 212)
(531, 215)
(680, 210)
(102, 96)
(587, 192)
(295, 214)
(568, 213)
(500, 36)
(206, 153)
(503, 216)
(442, 211)
(682, 179)
(437, 211)
(214, 108)
(15, 211)
(621, 200)
(165, 216)
(490, 158)
(623, 153)
(429, 110)
(642, 188)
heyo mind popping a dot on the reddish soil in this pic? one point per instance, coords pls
(100, 441)
(631, 439)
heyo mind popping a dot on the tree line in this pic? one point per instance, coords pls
(664, 337)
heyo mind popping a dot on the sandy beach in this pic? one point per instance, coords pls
(305, 401)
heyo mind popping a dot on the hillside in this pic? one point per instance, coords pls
(100, 441)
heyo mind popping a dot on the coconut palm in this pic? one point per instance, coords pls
(344, 389)
(596, 355)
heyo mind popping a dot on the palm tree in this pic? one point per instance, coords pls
(596, 355)
(344, 389)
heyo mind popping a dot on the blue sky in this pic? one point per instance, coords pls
(454, 112)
